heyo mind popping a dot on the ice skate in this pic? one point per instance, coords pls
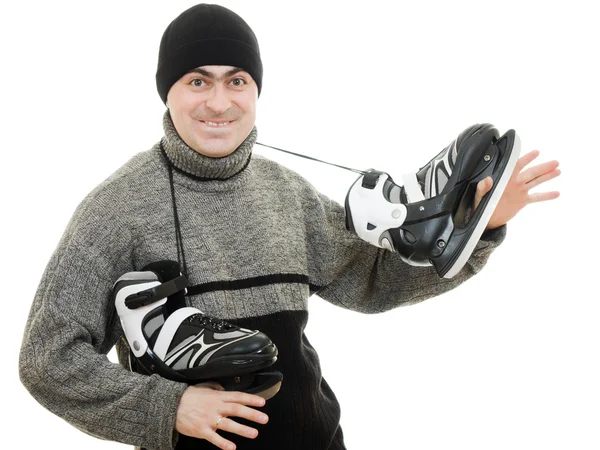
(429, 218)
(181, 343)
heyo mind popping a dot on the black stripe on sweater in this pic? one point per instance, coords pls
(305, 414)
(263, 280)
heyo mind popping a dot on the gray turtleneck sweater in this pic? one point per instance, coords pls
(258, 240)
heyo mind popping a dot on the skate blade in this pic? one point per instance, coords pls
(270, 392)
(489, 207)
(265, 384)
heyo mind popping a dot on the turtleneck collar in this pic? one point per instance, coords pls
(191, 162)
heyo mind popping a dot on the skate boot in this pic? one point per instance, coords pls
(181, 343)
(429, 218)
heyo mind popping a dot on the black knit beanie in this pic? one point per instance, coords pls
(206, 35)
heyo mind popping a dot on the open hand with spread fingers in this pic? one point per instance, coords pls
(516, 194)
(206, 408)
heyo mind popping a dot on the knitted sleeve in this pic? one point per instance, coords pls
(72, 326)
(365, 278)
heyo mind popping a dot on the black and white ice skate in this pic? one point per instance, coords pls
(429, 219)
(181, 343)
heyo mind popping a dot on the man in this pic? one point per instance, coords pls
(256, 237)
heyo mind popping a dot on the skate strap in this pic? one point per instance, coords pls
(154, 294)
(170, 327)
(412, 188)
(432, 207)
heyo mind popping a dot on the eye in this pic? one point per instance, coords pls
(198, 82)
(238, 82)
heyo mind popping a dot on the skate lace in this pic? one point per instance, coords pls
(210, 322)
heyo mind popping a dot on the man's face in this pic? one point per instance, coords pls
(213, 108)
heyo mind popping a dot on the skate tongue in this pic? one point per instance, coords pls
(433, 176)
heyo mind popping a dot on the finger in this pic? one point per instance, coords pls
(233, 427)
(243, 398)
(211, 385)
(483, 187)
(237, 410)
(220, 441)
(543, 196)
(543, 178)
(526, 159)
(536, 171)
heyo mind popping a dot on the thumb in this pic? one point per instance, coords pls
(211, 385)
(483, 187)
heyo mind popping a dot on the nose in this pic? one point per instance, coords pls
(218, 100)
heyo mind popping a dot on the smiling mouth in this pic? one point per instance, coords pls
(215, 124)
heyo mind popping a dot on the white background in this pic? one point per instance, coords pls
(508, 360)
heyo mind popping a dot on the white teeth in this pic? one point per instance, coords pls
(213, 124)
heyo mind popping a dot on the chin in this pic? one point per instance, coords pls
(217, 146)
(221, 154)
(216, 152)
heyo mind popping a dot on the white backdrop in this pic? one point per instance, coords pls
(508, 360)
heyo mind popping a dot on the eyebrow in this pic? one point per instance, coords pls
(208, 74)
